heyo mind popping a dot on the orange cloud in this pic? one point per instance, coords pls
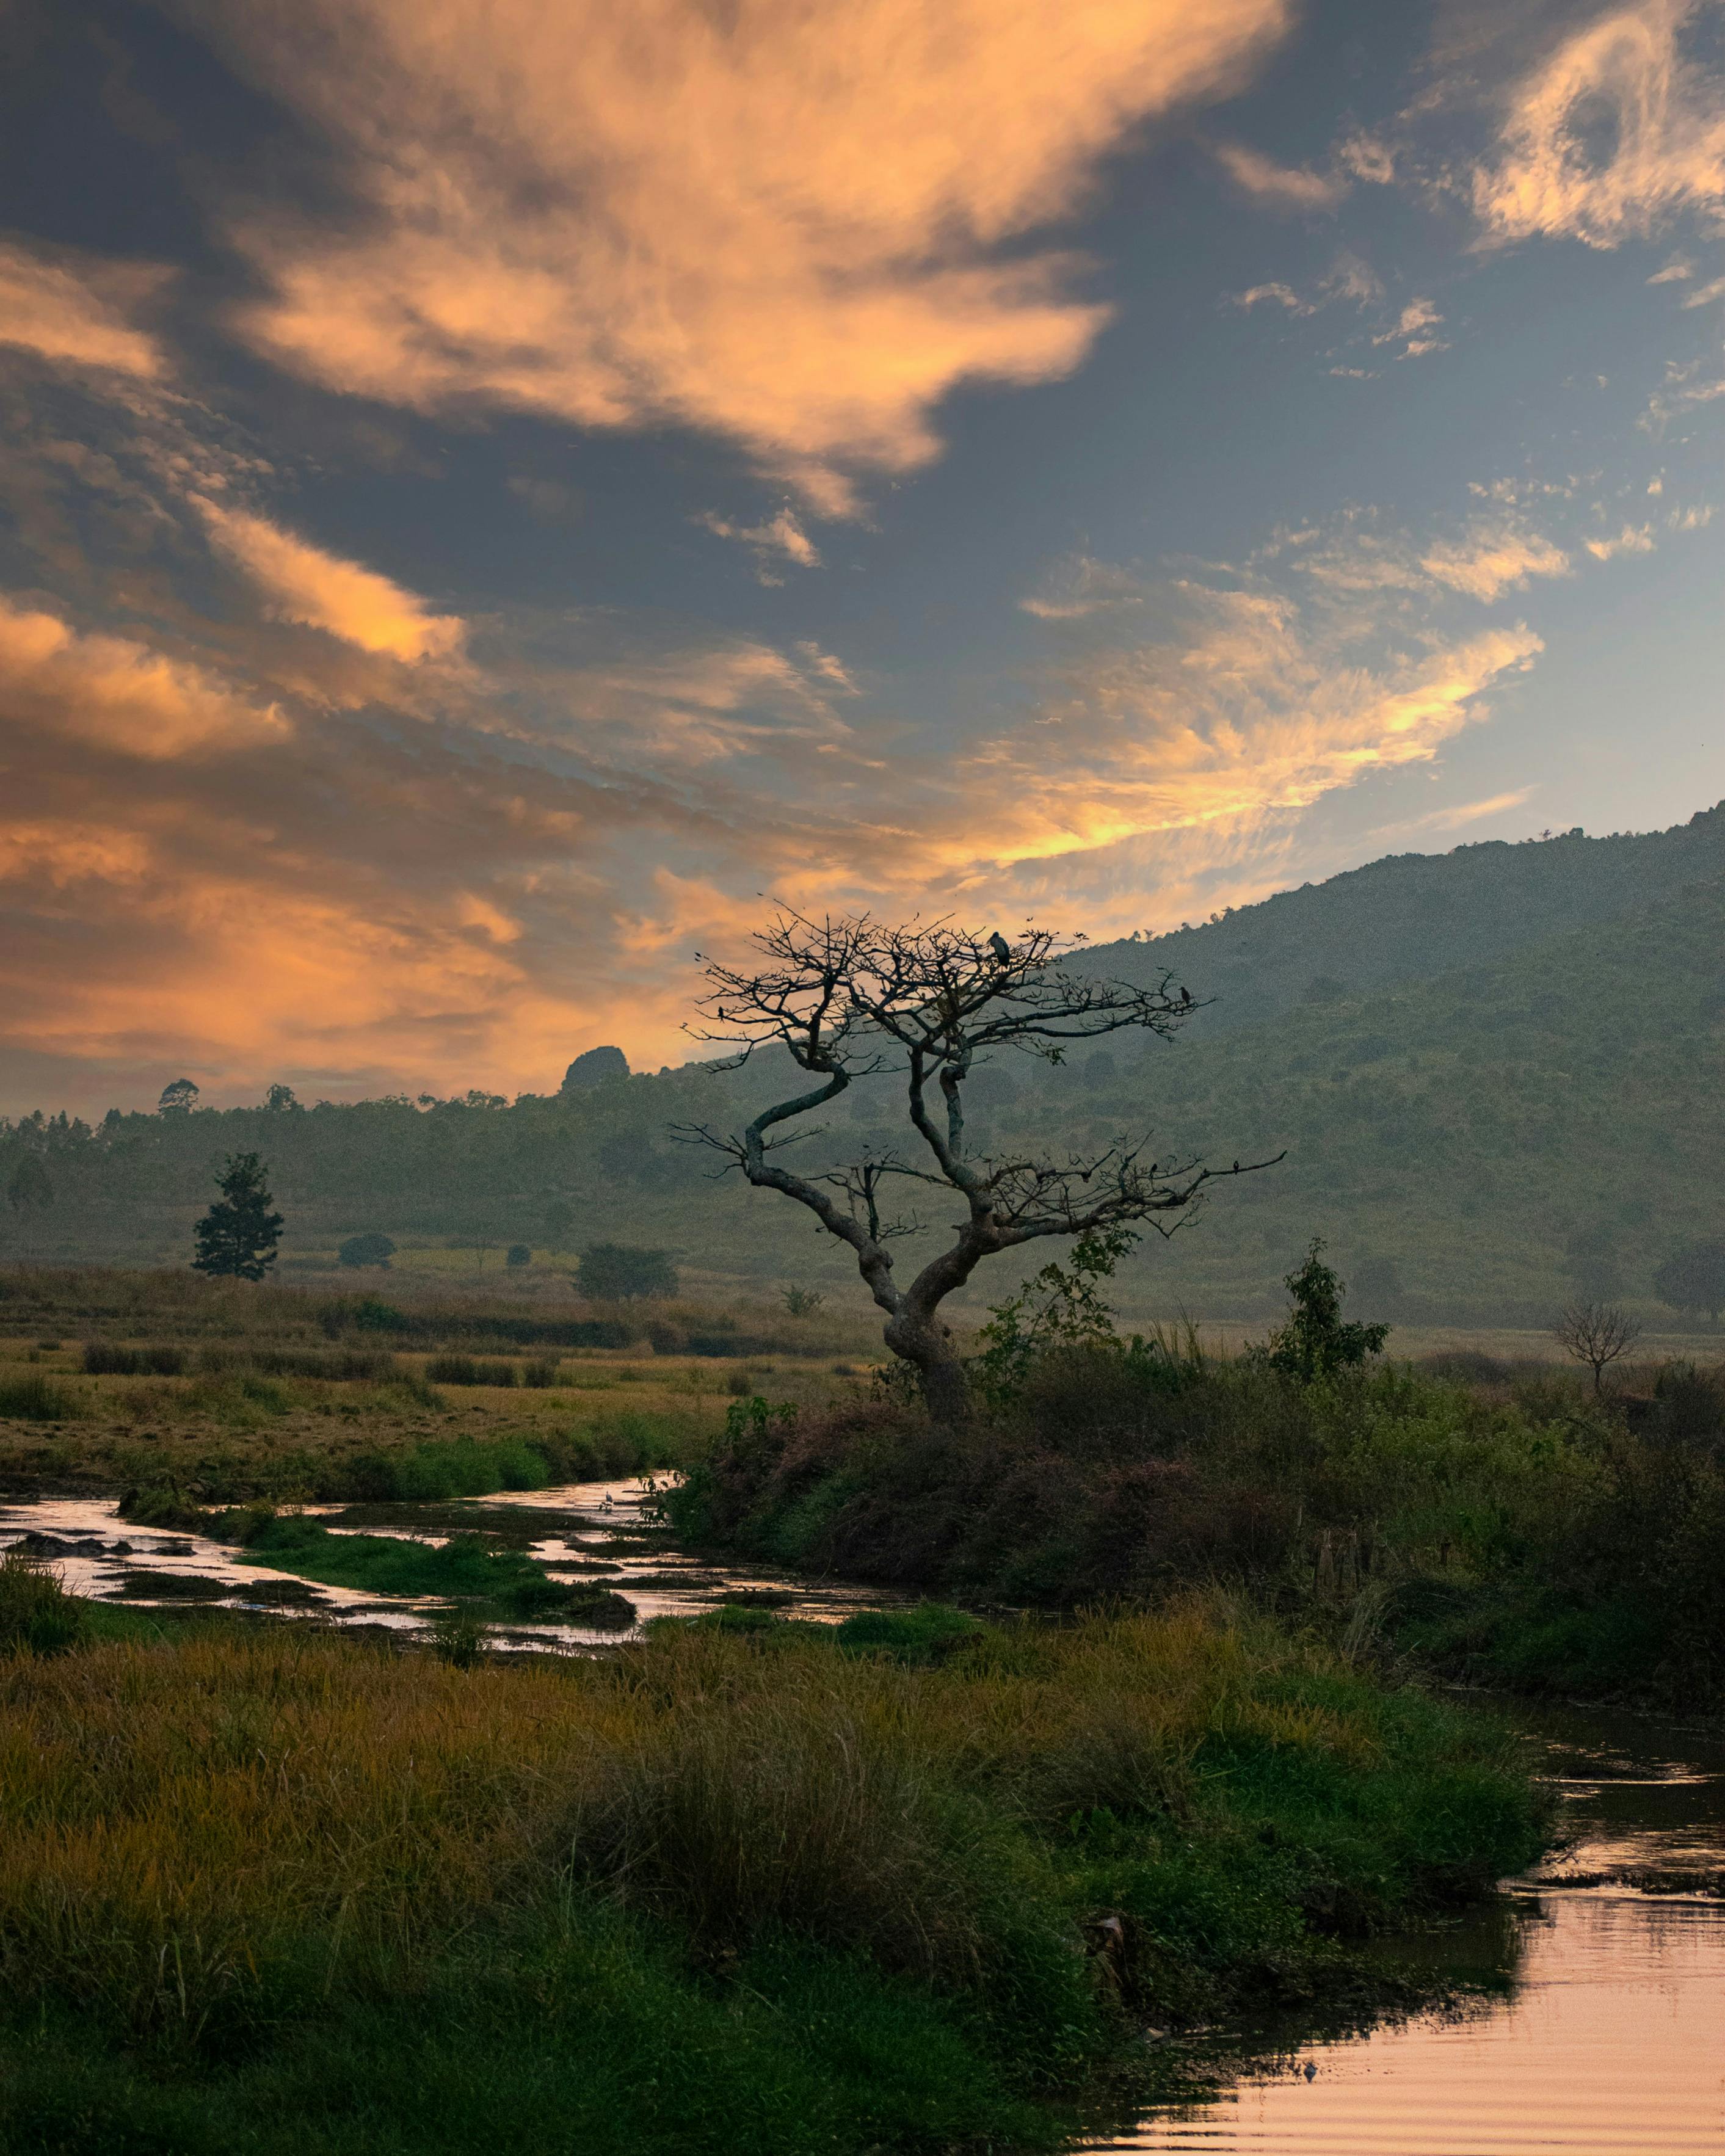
(769, 221)
(301, 582)
(120, 694)
(73, 311)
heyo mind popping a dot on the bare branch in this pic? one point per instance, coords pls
(851, 997)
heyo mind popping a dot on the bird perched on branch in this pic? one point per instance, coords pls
(1001, 949)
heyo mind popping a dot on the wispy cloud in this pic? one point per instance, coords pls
(1458, 817)
(1294, 187)
(776, 539)
(1493, 558)
(79, 311)
(1411, 330)
(1618, 129)
(1276, 294)
(624, 218)
(1632, 539)
(301, 583)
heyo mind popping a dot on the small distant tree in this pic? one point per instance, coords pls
(368, 1249)
(31, 1189)
(803, 1302)
(1314, 1339)
(849, 996)
(1694, 1279)
(236, 1239)
(518, 1254)
(612, 1272)
(281, 1100)
(1595, 1333)
(178, 1097)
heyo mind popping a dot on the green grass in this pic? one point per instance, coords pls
(263, 1890)
(33, 1396)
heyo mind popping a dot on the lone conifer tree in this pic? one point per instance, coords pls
(237, 1237)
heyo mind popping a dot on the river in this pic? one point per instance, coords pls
(1606, 2035)
(1611, 2039)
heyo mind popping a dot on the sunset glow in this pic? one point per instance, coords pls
(492, 490)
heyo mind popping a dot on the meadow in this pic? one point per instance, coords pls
(184, 1391)
(733, 1890)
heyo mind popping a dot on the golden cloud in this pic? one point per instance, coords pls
(1250, 713)
(120, 694)
(776, 222)
(1624, 79)
(301, 582)
(75, 311)
(1293, 187)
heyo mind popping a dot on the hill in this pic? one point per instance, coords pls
(1412, 916)
(1496, 1072)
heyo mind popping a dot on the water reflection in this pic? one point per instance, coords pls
(1613, 2036)
(598, 1532)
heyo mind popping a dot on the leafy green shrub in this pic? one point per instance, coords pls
(540, 1374)
(1314, 1340)
(372, 1314)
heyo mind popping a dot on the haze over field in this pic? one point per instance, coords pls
(487, 496)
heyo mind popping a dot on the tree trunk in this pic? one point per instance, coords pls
(927, 1347)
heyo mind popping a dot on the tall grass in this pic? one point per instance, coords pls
(32, 1396)
(184, 1825)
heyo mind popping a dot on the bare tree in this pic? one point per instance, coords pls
(851, 997)
(1595, 1333)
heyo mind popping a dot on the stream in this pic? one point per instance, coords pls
(1611, 2038)
(596, 1533)
(1596, 2022)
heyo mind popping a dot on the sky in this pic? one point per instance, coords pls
(494, 494)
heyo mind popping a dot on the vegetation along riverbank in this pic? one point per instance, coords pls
(1509, 1525)
(774, 1889)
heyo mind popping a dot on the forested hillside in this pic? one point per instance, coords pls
(1411, 916)
(1539, 1115)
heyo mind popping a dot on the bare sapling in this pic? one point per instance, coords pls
(1595, 1333)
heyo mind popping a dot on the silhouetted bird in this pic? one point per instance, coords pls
(1001, 949)
(1185, 996)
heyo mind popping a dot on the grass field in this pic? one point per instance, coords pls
(226, 1391)
(734, 1894)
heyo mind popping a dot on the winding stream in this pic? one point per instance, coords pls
(589, 1532)
(1608, 2040)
